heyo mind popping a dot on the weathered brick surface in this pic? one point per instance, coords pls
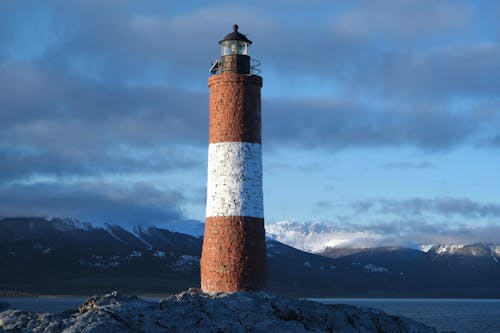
(234, 254)
(234, 249)
(235, 113)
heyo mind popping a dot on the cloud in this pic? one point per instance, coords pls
(115, 41)
(403, 166)
(417, 233)
(439, 74)
(134, 70)
(55, 123)
(336, 124)
(326, 204)
(95, 88)
(96, 202)
(445, 206)
(406, 222)
(493, 141)
(316, 236)
(407, 20)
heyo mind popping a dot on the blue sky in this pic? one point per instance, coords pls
(374, 112)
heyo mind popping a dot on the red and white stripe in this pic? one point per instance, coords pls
(234, 253)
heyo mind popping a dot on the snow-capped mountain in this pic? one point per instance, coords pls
(315, 236)
(67, 256)
(445, 249)
(487, 251)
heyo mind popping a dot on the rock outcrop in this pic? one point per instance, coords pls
(195, 311)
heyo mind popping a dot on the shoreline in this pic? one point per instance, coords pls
(310, 298)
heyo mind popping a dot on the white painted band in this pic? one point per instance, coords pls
(234, 185)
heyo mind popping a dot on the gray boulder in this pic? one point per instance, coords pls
(195, 311)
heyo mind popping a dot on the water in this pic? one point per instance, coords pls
(43, 304)
(445, 315)
(455, 315)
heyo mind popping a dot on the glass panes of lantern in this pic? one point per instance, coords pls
(234, 47)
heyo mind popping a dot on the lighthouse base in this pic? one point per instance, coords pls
(234, 254)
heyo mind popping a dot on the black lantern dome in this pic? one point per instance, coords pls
(236, 36)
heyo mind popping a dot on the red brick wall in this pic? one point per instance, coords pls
(234, 247)
(234, 254)
(235, 108)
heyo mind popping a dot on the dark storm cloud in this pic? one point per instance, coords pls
(96, 202)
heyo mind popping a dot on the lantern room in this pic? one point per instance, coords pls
(235, 55)
(235, 43)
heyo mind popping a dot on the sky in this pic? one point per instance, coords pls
(375, 112)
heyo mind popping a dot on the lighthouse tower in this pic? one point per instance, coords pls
(234, 249)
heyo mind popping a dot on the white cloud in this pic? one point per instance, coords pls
(316, 237)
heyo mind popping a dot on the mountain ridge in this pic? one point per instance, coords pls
(316, 237)
(61, 256)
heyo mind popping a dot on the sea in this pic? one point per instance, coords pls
(446, 315)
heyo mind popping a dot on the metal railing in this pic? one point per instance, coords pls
(215, 67)
(254, 64)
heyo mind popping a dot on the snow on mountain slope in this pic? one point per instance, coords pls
(66, 224)
(425, 247)
(315, 236)
(494, 254)
(109, 230)
(447, 249)
(495, 249)
(138, 231)
(472, 250)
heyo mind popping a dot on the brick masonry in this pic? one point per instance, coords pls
(234, 249)
(234, 254)
(235, 108)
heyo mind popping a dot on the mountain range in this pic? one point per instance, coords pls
(64, 256)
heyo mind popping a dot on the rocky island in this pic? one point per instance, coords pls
(195, 311)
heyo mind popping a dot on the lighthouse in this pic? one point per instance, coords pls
(234, 248)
